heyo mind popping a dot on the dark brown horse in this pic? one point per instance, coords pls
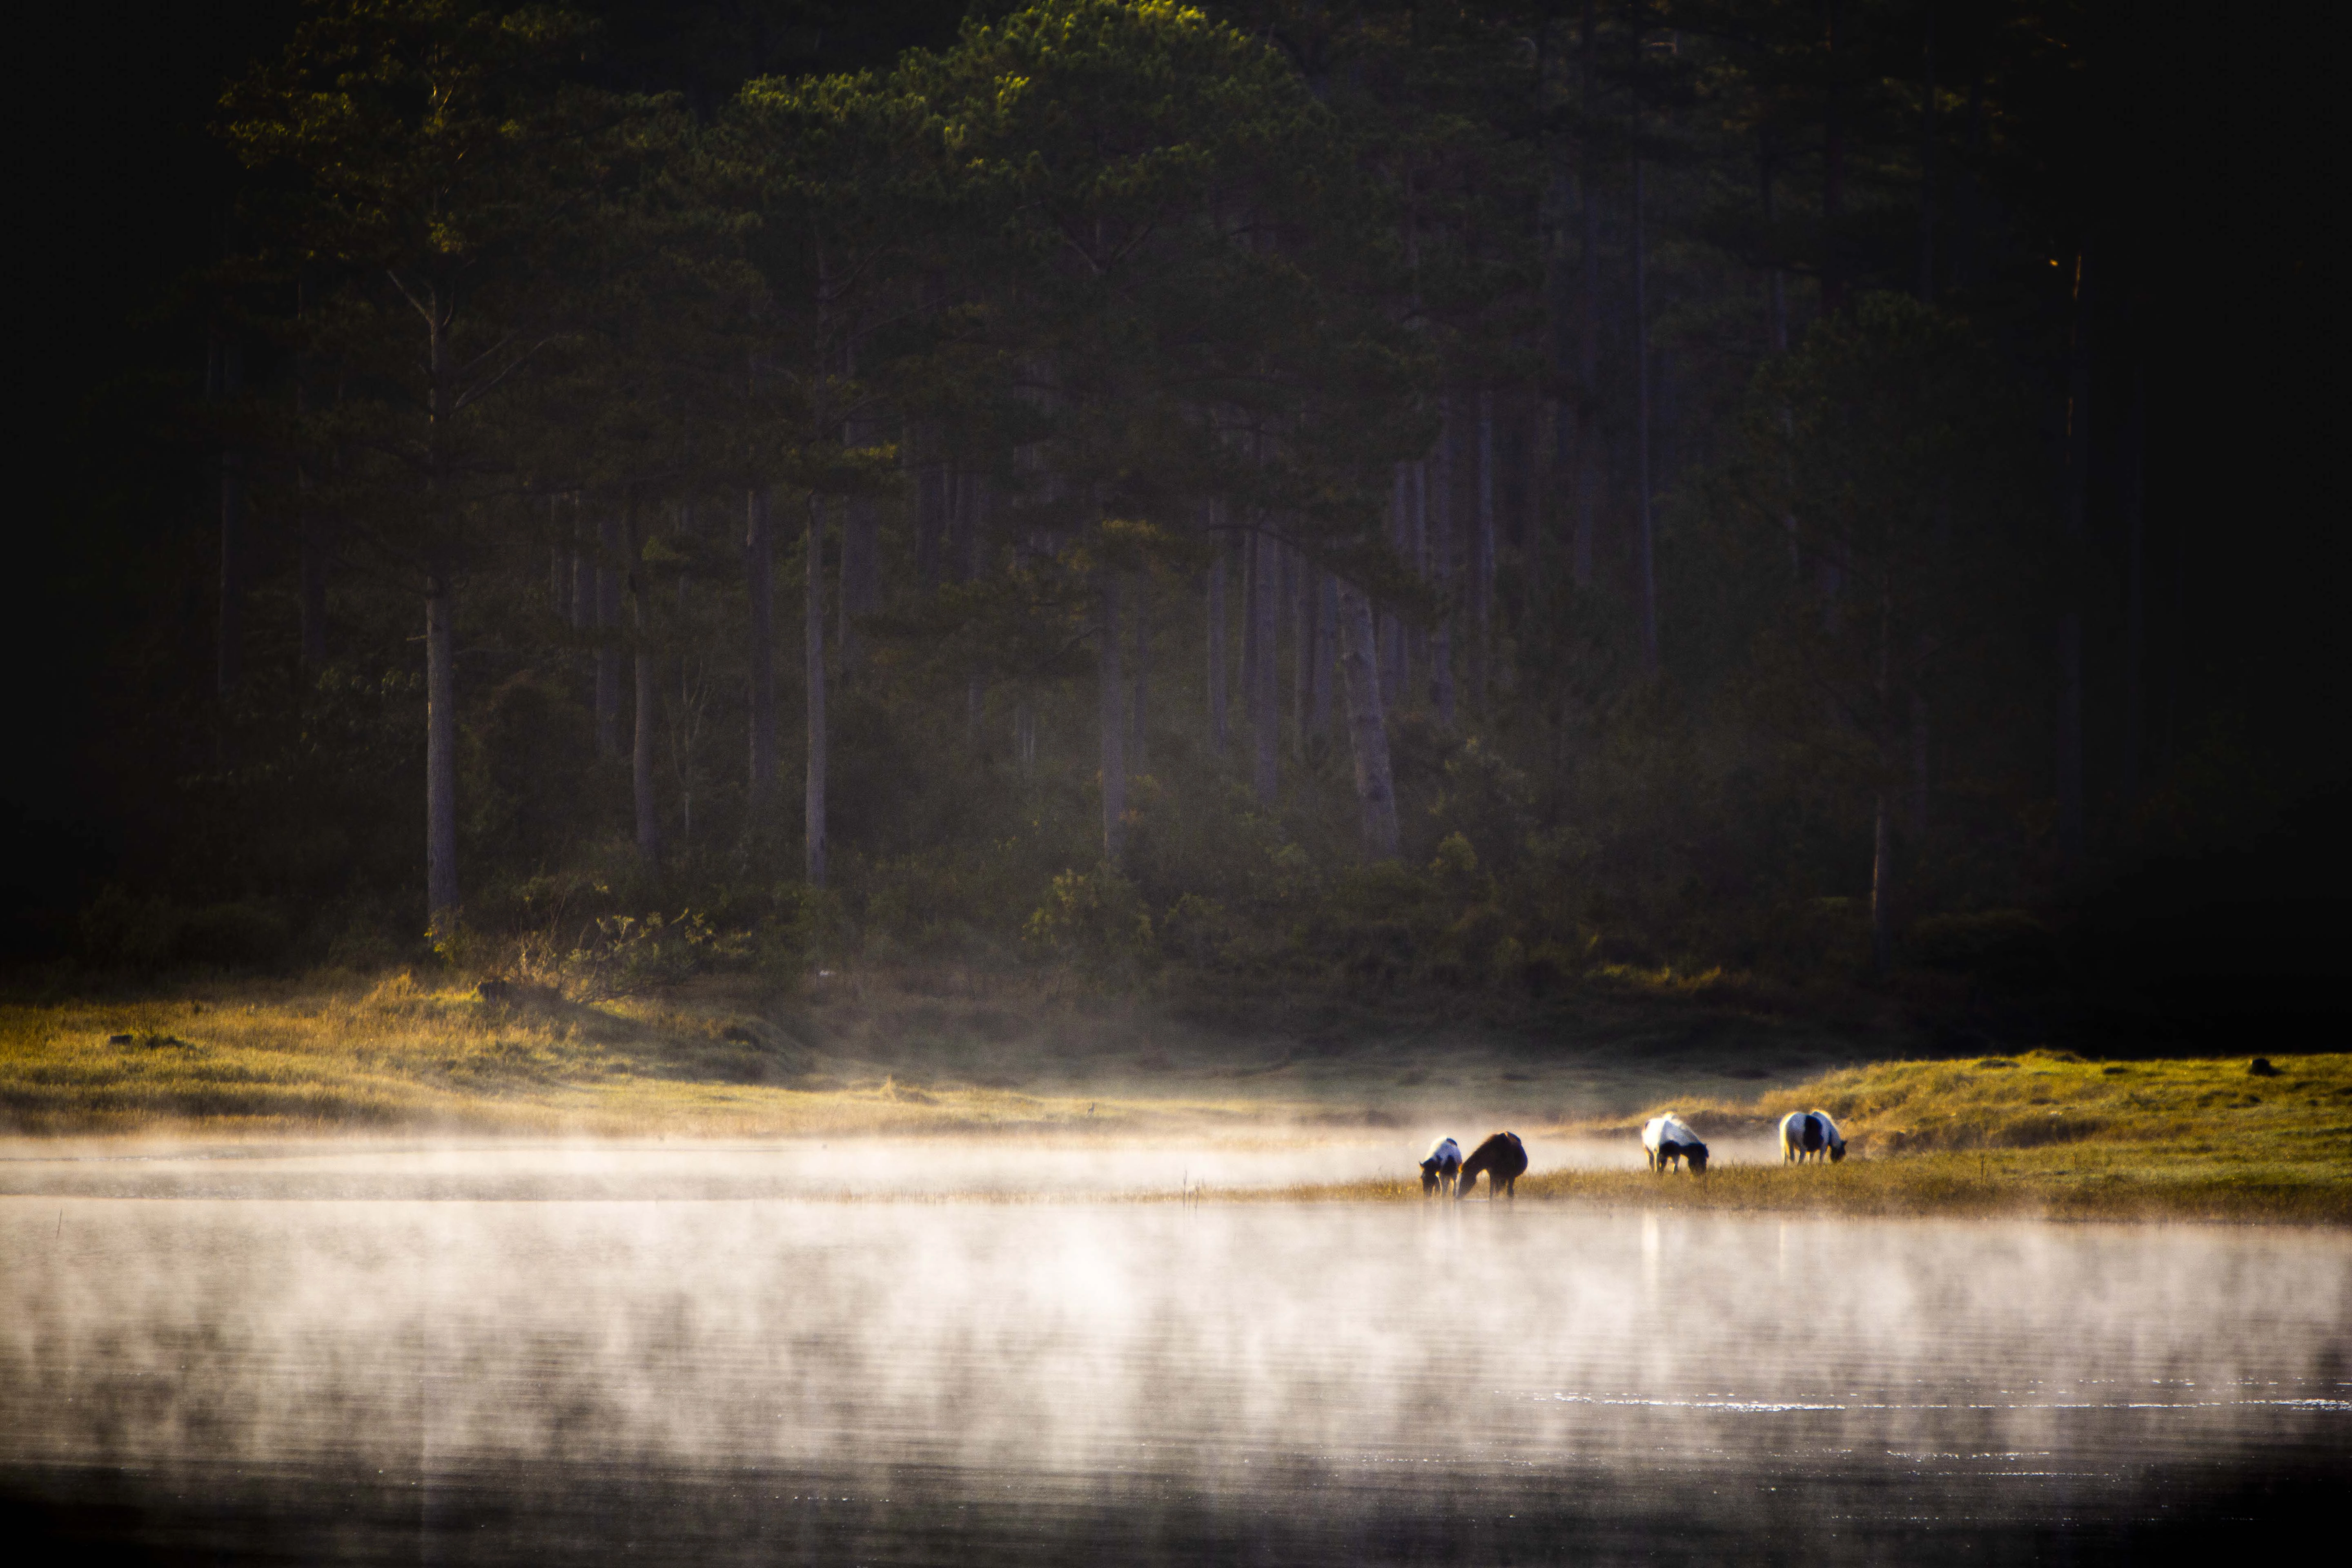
(1504, 1159)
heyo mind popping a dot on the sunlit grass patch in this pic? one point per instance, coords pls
(328, 1053)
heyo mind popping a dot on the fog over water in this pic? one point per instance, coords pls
(1062, 1166)
(782, 1378)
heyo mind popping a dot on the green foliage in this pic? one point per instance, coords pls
(1095, 919)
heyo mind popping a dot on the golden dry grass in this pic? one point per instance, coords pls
(328, 1053)
(2038, 1134)
(2043, 1134)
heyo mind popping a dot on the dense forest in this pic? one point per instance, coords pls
(1729, 496)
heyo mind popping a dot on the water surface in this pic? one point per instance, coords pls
(763, 1379)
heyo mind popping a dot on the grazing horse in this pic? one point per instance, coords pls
(1504, 1159)
(1443, 1164)
(1810, 1133)
(1667, 1142)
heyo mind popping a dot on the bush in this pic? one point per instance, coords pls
(148, 932)
(2003, 946)
(232, 934)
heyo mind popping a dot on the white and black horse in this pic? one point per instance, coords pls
(1504, 1159)
(1809, 1134)
(1667, 1142)
(1445, 1163)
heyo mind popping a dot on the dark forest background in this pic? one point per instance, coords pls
(1664, 447)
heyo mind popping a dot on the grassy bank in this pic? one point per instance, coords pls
(871, 1051)
(2040, 1134)
(2037, 1133)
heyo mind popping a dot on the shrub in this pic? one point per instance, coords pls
(2003, 946)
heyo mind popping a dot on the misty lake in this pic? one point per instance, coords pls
(820, 1355)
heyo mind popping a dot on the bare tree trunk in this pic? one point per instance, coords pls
(760, 581)
(1482, 558)
(1967, 199)
(1298, 605)
(229, 664)
(1327, 629)
(968, 496)
(1389, 655)
(1833, 175)
(812, 674)
(1881, 862)
(860, 578)
(1416, 638)
(314, 541)
(1114, 728)
(317, 549)
(1264, 685)
(1440, 567)
(1588, 348)
(2071, 836)
(440, 754)
(1252, 577)
(931, 517)
(1216, 614)
(1928, 167)
(2136, 592)
(584, 575)
(608, 622)
(1138, 746)
(1882, 872)
(1775, 281)
(641, 748)
(1918, 766)
(1368, 733)
(1649, 556)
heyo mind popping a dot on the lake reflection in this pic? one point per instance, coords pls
(761, 1380)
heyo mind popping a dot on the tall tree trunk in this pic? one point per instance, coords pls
(813, 676)
(1882, 843)
(1833, 270)
(1138, 746)
(1114, 728)
(1648, 565)
(1918, 764)
(440, 754)
(1968, 198)
(1588, 346)
(2071, 836)
(1417, 638)
(2136, 592)
(931, 517)
(1482, 558)
(759, 645)
(1251, 578)
(860, 579)
(229, 670)
(608, 626)
(1928, 167)
(1882, 873)
(1327, 629)
(1265, 739)
(969, 495)
(584, 573)
(1776, 318)
(1298, 604)
(316, 548)
(1440, 559)
(641, 746)
(1389, 655)
(1216, 639)
(1367, 734)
